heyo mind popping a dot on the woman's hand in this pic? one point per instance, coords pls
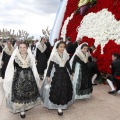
(71, 77)
(48, 80)
(2, 63)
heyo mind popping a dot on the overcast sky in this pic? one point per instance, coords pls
(29, 15)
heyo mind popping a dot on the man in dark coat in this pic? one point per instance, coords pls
(69, 47)
(93, 69)
(33, 46)
(76, 43)
(115, 77)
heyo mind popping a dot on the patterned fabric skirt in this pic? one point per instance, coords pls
(61, 90)
(24, 93)
(60, 93)
(82, 82)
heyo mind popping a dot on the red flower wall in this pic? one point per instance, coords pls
(112, 5)
(103, 60)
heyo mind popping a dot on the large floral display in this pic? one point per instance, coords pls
(97, 24)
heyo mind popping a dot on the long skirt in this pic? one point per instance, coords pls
(60, 92)
(42, 63)
(24, 94)
(82, 82)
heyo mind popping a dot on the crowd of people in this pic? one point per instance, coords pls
(68, 72)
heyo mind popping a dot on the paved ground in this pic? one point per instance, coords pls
(101, 106)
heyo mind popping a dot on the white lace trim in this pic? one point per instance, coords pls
(82, 96)
(41, 48)
(83, 57)
(61, 61)
(24, 63)
(9, 51)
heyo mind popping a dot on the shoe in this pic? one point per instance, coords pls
(22, 115)
(118, 92)
(60, 112)
(94, 84)
(112, 92)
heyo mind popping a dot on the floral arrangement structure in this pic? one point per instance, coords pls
(96, 22)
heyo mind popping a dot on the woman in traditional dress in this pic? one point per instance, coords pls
(41, 57)
(21, 83)
(81, 80)
(57, 90)
(7, 52)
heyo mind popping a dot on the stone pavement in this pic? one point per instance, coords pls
(101, 106)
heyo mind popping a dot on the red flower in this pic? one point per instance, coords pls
(90, 41)
(104, 61)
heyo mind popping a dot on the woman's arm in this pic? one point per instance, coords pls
(74, 63)
(68, 67)
(50, 68)
(3, 56)
(37, 54)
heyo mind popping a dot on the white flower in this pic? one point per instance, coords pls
(101, 26)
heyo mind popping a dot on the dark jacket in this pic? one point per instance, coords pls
(33, 47)
(70, 48)
(75, 45)
(1, 49)
(92, 66)
(48, 50)
(116, 67)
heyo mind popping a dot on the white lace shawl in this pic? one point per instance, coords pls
(24, 63)
(57, 59)
(82, 56)
(41, 48)
(60, 61)
(8, 51)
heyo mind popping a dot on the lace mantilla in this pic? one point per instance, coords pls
(83, 57)
(41, 48)
(61, 61)
(24, 63)
(9, 51)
